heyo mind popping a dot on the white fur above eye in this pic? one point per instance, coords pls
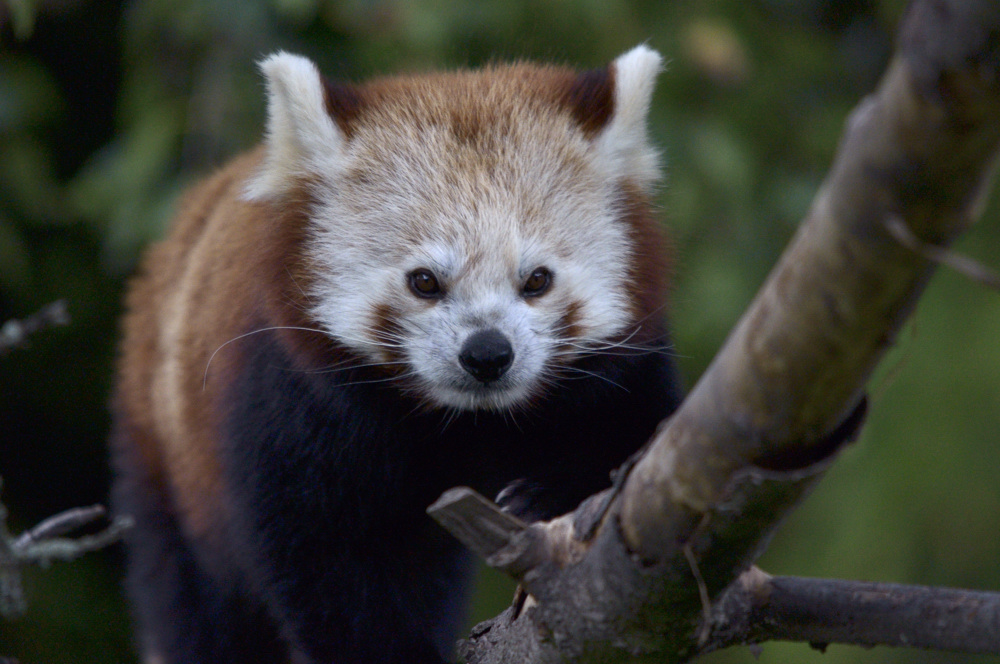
(302, 138)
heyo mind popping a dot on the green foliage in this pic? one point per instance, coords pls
(22, 14)
(109, 108)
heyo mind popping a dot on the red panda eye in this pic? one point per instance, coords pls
(537, 283)
(423, 283)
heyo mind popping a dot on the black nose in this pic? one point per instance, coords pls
(486, 355)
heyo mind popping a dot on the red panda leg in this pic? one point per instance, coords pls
(184, 616)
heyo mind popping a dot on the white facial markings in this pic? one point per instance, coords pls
(412, 194)
(481, 246)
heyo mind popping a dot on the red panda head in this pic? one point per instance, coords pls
(475, 233)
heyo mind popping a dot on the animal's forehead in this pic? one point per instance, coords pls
(474, 102)
(502, 149)
(472, 167)
(509, 177)
(466, 224)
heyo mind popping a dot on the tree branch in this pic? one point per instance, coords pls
(785, 392)
(15, 333)
(921, 150)
(821, 611)
(44, 544)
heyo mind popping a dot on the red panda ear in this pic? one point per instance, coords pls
(303, 139)
(591, 99)
(623, 142)
(342, 101)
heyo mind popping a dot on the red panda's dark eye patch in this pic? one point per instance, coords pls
(537, 282)
(423, 283)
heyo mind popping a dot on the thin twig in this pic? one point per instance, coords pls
(961, 263)
(60, 524)
(65, 549)
(44, 544)
(14, 333)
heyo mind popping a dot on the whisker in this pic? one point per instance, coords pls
(509, 412)
(593, 374)
(392, 342)
(374, 381)
(590, 348)
(449, 416)
(294, 281)
(347, 365)
(204, 379)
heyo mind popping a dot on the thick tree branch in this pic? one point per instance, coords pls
(759, 607)
(785, 392)
(919, 150)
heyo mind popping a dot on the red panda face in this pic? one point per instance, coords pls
(429, 243)
(472, 236)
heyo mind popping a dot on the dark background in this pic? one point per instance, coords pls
(108, 109)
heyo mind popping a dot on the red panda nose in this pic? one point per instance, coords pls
(486, 355)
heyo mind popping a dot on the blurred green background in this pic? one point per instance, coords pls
(109, 108)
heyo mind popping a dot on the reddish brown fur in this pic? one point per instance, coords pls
(250, 266)
(343, 102)
(569, 324)
(588, 96)
(386, 330)
(650, 268)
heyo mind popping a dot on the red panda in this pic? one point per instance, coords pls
(415, 283)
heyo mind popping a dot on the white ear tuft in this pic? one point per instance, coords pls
(635, 74)
(302, 138)
(624, 141)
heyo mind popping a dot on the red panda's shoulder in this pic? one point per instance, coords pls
(225, 268)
